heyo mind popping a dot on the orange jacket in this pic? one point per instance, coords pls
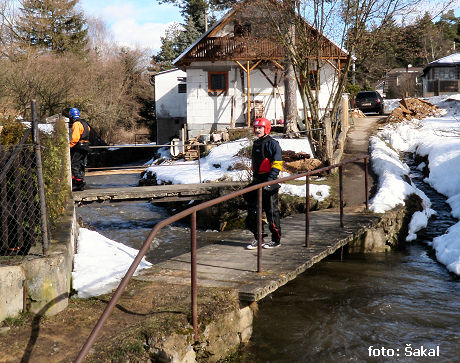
(77, 132)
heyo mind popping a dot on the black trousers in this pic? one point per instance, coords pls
(271, 209)
(78, 160)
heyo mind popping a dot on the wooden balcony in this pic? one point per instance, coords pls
(246, 48)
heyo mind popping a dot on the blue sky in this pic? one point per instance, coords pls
(134, 22)
(142, 22)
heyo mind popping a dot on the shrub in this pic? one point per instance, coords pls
(57, 191)
(54, 147)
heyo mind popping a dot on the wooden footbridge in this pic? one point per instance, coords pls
(157, 193)
(229, 264)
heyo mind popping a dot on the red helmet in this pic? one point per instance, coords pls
(263, 122)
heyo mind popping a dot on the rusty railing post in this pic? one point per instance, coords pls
(259, 230)
(366, 181)
(193, 276)
(307, 211)
(341, 194)
(41, 185)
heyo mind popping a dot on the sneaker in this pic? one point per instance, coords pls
(271, 244)
(253, 245)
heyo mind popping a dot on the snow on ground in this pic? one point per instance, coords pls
(101, 263)
(218, 163)
(437, 138)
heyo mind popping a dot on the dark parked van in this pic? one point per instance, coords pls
(369, 101)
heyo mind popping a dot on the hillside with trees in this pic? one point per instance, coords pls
(398, 45)
(51, 52)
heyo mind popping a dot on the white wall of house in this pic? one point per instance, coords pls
(207, 113)
(328, 79)
(171, 106)
(169, 102)
(204, 113)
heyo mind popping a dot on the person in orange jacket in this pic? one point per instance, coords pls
(267, 163)
(79, 148)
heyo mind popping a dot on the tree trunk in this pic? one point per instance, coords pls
(328, 145)
(291, 129)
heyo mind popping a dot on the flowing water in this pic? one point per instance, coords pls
(131, 222)
(394, 307)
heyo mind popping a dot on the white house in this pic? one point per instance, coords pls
(234, 74)
(442, 76)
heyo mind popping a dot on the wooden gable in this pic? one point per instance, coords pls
(239, 37)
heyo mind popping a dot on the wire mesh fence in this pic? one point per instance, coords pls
(20, 216)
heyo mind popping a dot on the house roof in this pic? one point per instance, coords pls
(210, 47)
(449, 61)
(204, 35)
(167, 71)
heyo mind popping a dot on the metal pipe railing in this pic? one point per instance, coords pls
(192, 212)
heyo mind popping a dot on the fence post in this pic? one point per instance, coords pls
(41, 187)
(199, 162)
(366, 181)
(193, 276)
(307, 211)
(341, 194)
(259, 230)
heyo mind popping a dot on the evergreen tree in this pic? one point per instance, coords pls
(425, 41)
(195, 14)
(450, 27)
(52, 25)
(379, 51)
(169, 49)
(187, 37)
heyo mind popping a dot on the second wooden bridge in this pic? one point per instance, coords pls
(158, 193)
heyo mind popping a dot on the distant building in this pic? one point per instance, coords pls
(442, 76)
(403, 82)
(379, 88)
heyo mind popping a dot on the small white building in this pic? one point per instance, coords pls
(170, 103)
(233, 75)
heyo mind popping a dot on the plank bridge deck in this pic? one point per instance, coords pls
(228, 264)
(157, 193)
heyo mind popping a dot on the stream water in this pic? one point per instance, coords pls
(131, 222)
(395, 307)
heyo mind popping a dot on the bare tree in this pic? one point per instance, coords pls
(290, 86)
(8, 35)
(313, 55)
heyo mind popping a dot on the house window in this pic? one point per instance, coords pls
(217, 83)
(182, 88)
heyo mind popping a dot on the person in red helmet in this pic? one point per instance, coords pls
(267, 163)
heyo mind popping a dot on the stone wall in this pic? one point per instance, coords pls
(220, 339)
(41, 284)
(389, 233)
